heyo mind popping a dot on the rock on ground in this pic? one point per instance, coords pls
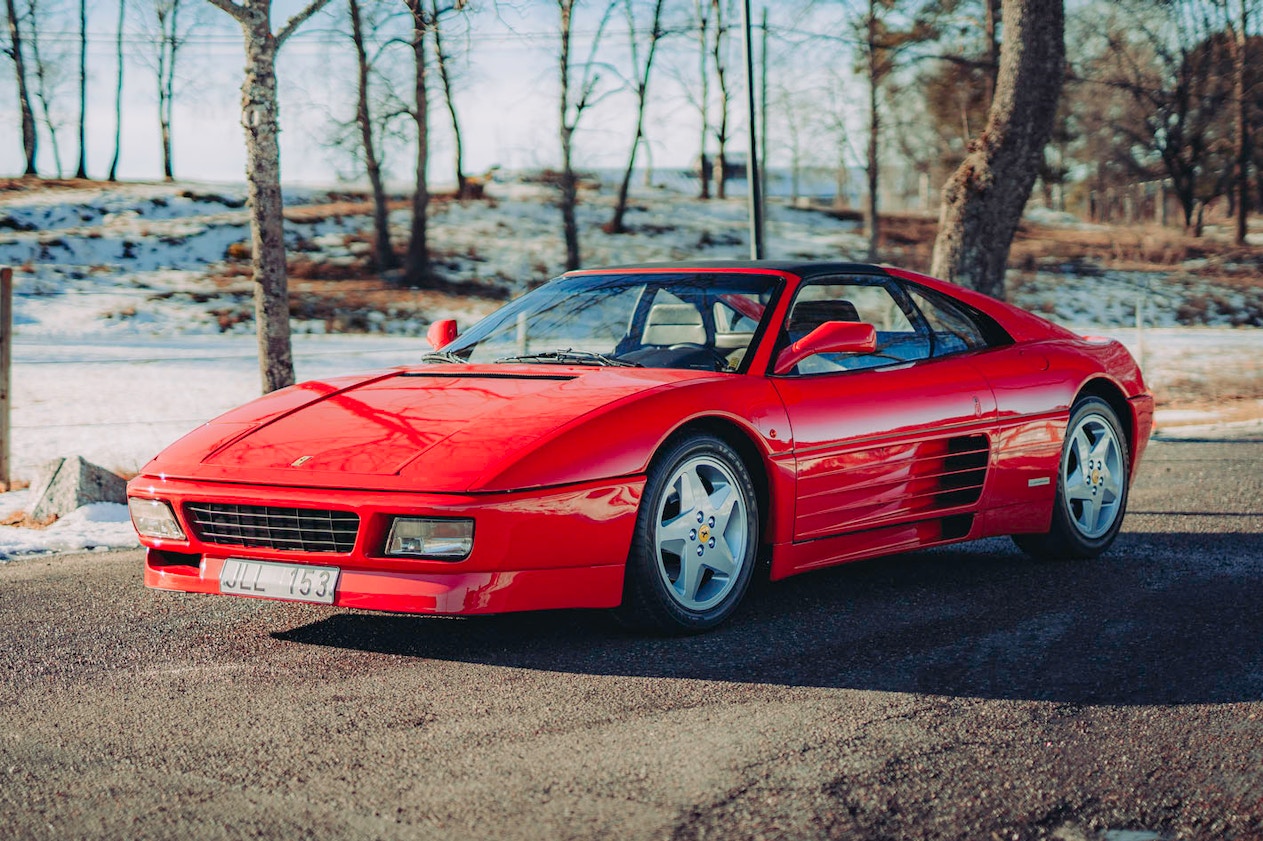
(63, 485)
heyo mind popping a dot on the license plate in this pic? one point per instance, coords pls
(298, 582)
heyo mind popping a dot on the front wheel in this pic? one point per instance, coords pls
(1092, 485)
(697, 533)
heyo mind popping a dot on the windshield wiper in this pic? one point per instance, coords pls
(441, 356)
(578, 357)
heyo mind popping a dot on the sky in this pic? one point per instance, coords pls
(506, 95)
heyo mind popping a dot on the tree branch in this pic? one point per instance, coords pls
(296, 21)
(236, 10)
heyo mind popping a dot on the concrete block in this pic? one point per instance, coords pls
(65, 484)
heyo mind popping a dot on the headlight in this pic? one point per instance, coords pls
(154, 518)
(444, 540)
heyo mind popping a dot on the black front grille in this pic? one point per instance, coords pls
(269, 527)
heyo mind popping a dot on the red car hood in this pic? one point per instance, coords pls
(429, 428)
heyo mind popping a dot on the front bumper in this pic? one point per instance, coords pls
(533, 550)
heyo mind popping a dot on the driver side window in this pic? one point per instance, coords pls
(862, 299)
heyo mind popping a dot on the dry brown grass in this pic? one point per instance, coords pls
(908, 240)
(32, 183)
(25, 521)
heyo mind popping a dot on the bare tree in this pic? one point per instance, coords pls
(260, 114)
(82, 170)
(168, 25)
(383, 253)
(703, 101)
(443, 62)
(118, 92)
(795, 109)
(47, 78)
(571, 110)
(1161, 100)
(990, 27)
(833, 107)
(641, 83)
(882, 37)
(719, 54)
(983, 200)
(1241, 175)
(14, 51)
(418, 271)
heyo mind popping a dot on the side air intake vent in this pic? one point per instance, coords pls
(964, 470)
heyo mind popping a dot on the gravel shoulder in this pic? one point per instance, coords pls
(964, 692)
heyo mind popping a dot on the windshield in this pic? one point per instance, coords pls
(688, 320)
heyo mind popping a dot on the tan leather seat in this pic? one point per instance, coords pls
(673, 324)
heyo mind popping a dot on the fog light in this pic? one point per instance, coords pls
(154, 518)
(444, 540)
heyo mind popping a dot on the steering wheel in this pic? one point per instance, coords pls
(720, 359)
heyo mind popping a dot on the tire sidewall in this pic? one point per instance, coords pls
(645, 587)
(1063, 520)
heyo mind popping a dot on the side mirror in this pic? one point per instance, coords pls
(441, 333)
(830, 337)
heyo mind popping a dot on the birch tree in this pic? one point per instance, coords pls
(14, 52)
(118, 91)
(1237, 22)
(883, 34)
(572, 106)
(48, 75)
(81, 171)
(383, 252)
(443, 63)
(167, 26)
(984, 198)
(260, 114)
(417, 269)
(718, 55)
(640, 80)
(167, 13)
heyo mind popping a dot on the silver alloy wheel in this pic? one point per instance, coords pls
(701, 532)
(1093, 476)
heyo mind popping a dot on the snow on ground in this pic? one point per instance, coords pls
(103, 525)
(118, 350)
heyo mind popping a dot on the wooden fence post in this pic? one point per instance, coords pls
(6, 363)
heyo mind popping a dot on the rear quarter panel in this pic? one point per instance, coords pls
(1035, 385)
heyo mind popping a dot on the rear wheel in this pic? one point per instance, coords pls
(1092, 485)
(697, 533)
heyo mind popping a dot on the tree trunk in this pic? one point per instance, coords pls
(168, 46)
(29, 140)
(874, 131)
(569, 191)
(260, 118)
(703, 36)
(615, 225)
(417, 270)
(984, 198)
(462, 188)
(993, 48)
(41, 90)
(118, 93)
(81, 171)
(383, 253)
(1242, 126)
(721, 133)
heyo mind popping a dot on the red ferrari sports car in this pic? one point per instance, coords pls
(642, 438)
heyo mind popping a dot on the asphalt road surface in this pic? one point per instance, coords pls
(965, 692)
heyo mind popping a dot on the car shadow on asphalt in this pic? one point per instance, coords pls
(1161, 619)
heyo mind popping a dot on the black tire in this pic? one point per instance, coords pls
(1091, 492)
(682, 577)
